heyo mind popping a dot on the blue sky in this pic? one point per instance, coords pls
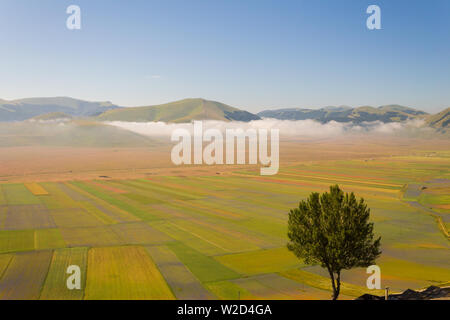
(252, 54)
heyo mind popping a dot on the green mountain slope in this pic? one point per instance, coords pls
(440, 120)
(52, 116)
(389, 113)
(70, 134)
(180, 111)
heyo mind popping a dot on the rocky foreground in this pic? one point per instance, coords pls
(431, 293)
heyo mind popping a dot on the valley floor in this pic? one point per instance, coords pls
(148, 230)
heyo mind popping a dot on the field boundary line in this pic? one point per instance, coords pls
(340, 179)
(196, 235)
(13, 255)
(159, 270)
(101, 201)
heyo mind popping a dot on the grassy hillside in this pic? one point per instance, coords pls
(69, 134)
(52, 116)
(179, 111)
(440, 120)
(389, 113)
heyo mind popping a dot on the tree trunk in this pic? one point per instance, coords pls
(333, 284)
(338, 285)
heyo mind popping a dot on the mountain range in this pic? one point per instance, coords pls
(389, 113)
(44, 109)
(23, 109)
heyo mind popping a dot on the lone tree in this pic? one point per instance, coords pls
(333, 230)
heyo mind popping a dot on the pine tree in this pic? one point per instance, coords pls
(333, 230)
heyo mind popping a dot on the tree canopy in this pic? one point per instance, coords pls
(333, 230)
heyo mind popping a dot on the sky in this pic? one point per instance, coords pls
(251, 54)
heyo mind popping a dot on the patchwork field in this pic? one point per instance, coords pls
(209, 236)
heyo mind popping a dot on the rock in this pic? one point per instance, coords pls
(429, 293)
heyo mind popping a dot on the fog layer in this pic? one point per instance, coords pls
(300, 128)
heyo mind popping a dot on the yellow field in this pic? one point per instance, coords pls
(36, 189)
(124, 273)
(55, 286)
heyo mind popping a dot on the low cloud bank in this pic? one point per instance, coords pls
(299, 128)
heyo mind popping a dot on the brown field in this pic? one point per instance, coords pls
(33, 216)
(34, 164)
(26, 281)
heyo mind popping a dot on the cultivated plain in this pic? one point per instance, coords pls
(141, 228)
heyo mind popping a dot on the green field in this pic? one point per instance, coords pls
(217, 237)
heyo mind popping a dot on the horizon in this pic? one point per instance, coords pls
(252, 55)
(238, 107)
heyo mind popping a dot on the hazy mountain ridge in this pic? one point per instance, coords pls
(187, 110)
(179, 111)
(440, 121)
(388, 113)
(23, 109)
